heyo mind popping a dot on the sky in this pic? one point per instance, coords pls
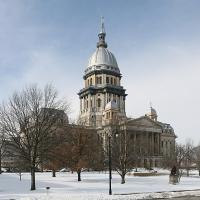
(156, 44)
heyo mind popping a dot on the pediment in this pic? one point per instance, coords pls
(143, 121)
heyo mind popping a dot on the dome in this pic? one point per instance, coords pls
(102, 59)
(153, 111)
(111, 105)
(152, 114)
(102, 56)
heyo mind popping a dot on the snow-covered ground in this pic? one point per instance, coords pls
(93, 186)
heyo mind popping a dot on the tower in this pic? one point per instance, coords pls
(102, 85)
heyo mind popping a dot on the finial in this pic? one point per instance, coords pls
(102, 25)
(102, 35)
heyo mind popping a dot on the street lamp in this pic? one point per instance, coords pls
(110, 162)
(109, 132)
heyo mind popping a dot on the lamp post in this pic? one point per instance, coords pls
(110, 163)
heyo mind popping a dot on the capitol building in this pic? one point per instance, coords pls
(102, 105)
(103, 112)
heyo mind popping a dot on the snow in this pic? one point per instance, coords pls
(94, 185)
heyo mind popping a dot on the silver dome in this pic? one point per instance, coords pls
(102, 56)
(102, 59)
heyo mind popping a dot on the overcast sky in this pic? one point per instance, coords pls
(156, 44)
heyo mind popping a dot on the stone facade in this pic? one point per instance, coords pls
(102, 106)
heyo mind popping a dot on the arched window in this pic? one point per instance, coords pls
(98, 103)
(91, 103)
(90, 81)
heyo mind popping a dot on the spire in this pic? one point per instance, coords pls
(102, 25)
(102, 35)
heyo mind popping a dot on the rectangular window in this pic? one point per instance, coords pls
(100, 80)
(115, 81)
(111, 81)
(107, 80)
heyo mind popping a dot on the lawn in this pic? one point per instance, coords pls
(94, 185)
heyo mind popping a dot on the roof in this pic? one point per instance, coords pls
(145, 121)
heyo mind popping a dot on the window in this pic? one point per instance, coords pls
(107, 80)
(100, 80)
(91, 81)
(99, 103)
(114, 98)
(132, 136)
(111, 80)
(115, 82)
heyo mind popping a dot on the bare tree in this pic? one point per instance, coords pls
(81, 148)
(196, 157)
(178, 158)
(58, 153)
(30, 119)
(189, 148)
(2, 148)
(123, 156)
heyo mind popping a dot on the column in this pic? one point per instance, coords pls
(81, 104)
(104, 100)
(135, 142)
(89, 102)
(146, 143)
(152, 143)
(158, 143)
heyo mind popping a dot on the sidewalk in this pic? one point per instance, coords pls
(163, 194)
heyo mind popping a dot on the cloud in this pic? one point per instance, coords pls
(170, 80)
(158, 56)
